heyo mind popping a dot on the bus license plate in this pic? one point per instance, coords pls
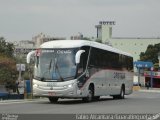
(51, 93)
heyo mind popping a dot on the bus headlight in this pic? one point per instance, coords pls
(68, 86)
(35, 85)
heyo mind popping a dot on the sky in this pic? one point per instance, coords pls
(24, 19)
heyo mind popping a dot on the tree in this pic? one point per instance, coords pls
(7, 68)
(7, 63)
(151, 54)
(99, 40)
(87, 38)
(6, 48)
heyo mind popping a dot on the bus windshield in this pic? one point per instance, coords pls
(55, 64)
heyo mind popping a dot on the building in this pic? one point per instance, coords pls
(41, 38)
(104, 31)
(79, 36)
(153, 78)
(23, 47)
(133, 46)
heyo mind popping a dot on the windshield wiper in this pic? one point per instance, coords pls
(59, 72)
(69, 78)
(57, 68)
(39, 78)
(50, 64)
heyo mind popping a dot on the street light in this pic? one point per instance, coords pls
(159, 58)
(151, 77)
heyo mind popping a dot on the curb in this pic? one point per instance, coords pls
(22, 100)
(143, 89)
(8, 101)
(153, 91)
(136, 88)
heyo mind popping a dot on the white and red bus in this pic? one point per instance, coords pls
(81, 69)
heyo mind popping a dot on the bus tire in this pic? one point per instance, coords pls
(115, 97)
(53, 99)
(90, 96)
(121, 95)
(96, 98)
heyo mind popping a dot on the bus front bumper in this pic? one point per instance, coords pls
(54, 92)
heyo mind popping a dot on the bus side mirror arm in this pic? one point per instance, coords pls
(29, 56)
(78, 55)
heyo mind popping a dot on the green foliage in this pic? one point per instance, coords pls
(156, 66)
(99, 40)
(26, 76)
(6, 48)
(7, 62)
(7, 69)
(6, 75)
(151, 54)
(87, 38)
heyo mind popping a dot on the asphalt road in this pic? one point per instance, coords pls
(138, 102)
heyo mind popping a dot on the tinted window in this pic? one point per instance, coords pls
(106, 59)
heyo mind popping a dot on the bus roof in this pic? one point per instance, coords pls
(80, 43)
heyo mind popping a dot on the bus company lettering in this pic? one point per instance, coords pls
(118, 75)
(58, 51)
(64, 51)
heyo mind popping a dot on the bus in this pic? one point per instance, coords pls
(81, 69)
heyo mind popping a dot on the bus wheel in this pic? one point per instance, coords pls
(121, 96)
(53, 99)
(89, 98)
(115, 96)
(96, 98)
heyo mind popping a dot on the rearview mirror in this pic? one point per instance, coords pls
(29, 55)
(78, 55)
